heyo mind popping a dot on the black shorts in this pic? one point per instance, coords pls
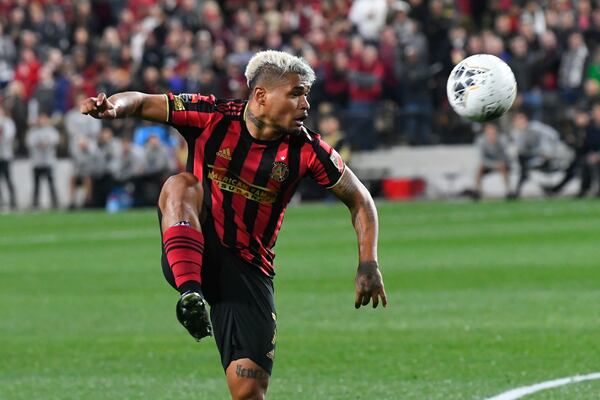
(242, 309)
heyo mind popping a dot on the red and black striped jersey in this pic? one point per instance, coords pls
(247, 182)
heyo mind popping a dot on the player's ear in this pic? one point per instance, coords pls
(260, 95)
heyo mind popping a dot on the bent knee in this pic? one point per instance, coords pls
(181, 181)
(180, 186)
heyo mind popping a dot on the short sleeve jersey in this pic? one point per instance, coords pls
(247, 182)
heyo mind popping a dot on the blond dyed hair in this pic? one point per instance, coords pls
(276, 64)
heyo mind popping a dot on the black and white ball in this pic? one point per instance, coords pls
(481, 87)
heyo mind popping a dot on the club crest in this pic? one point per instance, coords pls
(280, 171)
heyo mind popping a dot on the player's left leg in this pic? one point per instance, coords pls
(180, 205)
(247, 380)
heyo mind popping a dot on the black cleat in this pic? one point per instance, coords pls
(193, 315)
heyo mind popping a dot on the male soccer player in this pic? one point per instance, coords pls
(220, 219)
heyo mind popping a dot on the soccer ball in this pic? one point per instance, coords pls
(481, 87)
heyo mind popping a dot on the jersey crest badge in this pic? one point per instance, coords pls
(280, 171)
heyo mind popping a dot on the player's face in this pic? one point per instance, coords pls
(286, 104)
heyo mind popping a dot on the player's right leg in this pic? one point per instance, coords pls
(180, 205)
(247, 380)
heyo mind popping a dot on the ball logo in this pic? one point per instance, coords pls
(280, 171)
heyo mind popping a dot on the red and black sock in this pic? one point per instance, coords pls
(184, 247)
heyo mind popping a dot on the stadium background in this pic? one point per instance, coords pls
(483, 297)
(381, 67)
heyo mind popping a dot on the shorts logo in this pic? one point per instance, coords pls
(225, 153)
(280, 171)
(336, 159)
(271, 355)
(178, 104)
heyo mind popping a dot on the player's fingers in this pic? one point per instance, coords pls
(87, 105)
(383, 298)
(100, 99)
(357, 300)
(365, 299)
(375, 301)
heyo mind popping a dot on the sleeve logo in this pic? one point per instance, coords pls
(178, 103)
(336, 159)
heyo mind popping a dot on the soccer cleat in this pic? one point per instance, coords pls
(193, 315)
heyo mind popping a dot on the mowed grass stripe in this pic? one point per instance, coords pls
(483, 298)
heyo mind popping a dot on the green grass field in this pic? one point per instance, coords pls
(483, 298)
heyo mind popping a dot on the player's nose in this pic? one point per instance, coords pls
(304, 104)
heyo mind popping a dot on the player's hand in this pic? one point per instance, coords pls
(98, 107)
(369, 285)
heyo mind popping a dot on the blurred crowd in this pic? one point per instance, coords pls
(381, 70)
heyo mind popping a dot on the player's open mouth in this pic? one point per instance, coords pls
(300, 120)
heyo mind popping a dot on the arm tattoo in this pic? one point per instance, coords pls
(363, 213)
(242, 372)
(346, 188)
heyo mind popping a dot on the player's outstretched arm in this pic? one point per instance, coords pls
(368, 282)
(152, 107)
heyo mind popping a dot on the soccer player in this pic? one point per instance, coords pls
(220, 220)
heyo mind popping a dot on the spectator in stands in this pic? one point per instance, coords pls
(366, 74)
(83, 154)
(7, 137)
(130, 163)
(369, 17)
(336, 82)
(129, 174)
(105, 167)
(522, 62)
(16, 106)
(42, 141)
(157, 158)
(536, 145)
(27, 71)
(545, 72)
(77, 124)
(8, 57)
(572, 68)
(591, 154)
(158, 165)
(417, 109)
(574, 138)
(44, 94)
(493, 148)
